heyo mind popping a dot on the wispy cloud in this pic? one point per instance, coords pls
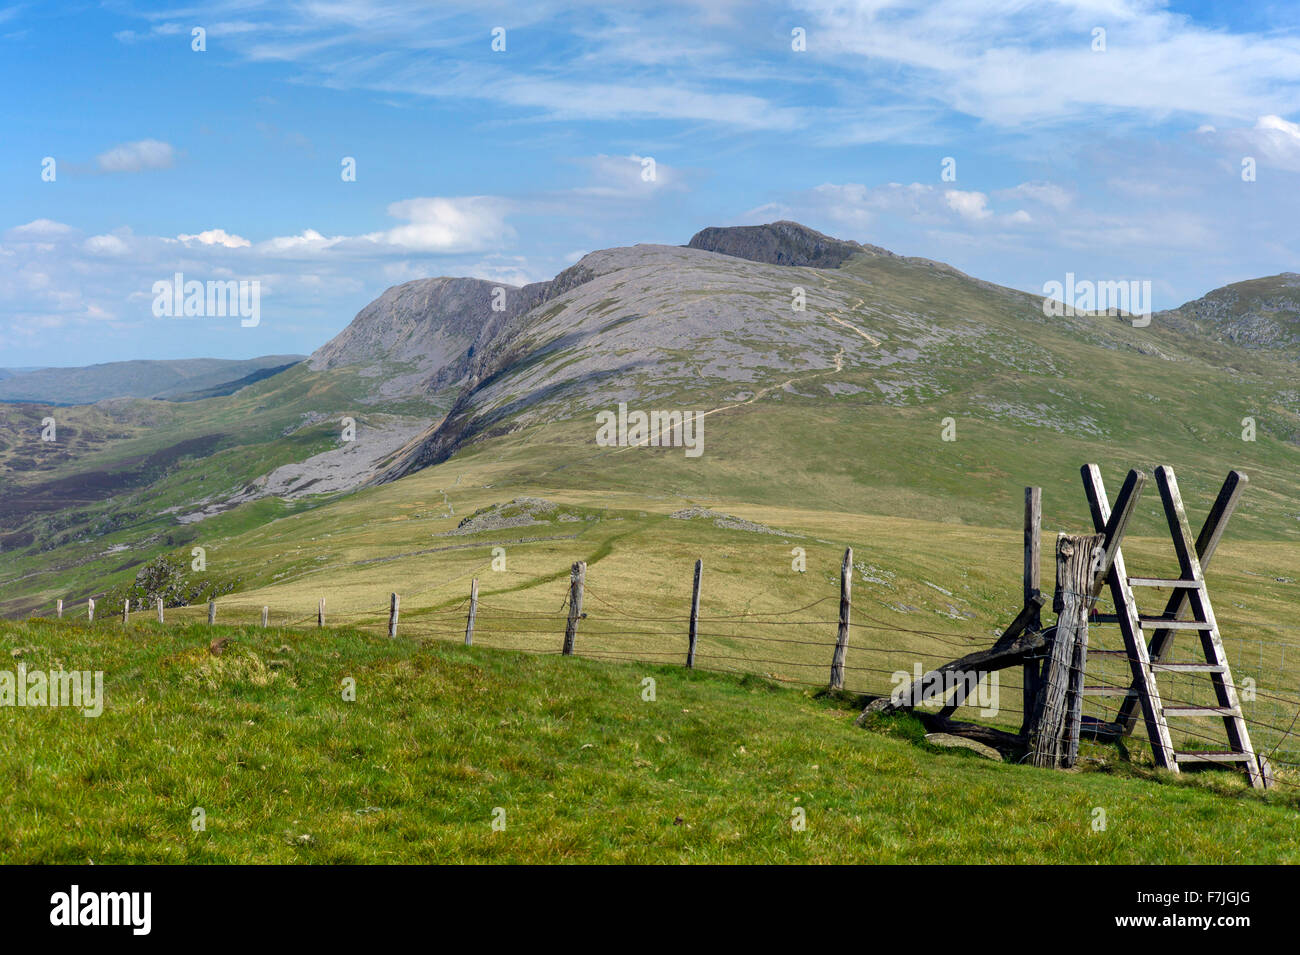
(137, 156)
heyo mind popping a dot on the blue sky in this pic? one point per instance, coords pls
(1114, 160)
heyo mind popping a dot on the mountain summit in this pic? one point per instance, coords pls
(781, 243)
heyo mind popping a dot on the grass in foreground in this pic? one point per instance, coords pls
(585, 769)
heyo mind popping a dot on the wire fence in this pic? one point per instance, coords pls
(796, 647)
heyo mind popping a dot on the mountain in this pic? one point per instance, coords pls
(719, 321)
(831, 377)
(1258, 314)
(133, 379)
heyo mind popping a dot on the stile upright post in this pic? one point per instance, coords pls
(577, 579)
(1056, 719)
(473, 612)
(1033, 586)
(842, 636)
(695, 615)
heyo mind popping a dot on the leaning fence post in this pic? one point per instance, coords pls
(695, 614)
(1032, 586)
(266, 617)
(1054, 734)
(473, 612)
(394, 602)
(90, 610)
(842, 636)
(159, 602)
(320, 613)
(58, 608)
(577, 578)
(212, 612)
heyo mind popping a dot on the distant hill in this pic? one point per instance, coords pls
(824, 382)
(1261, 313)
(171, 380)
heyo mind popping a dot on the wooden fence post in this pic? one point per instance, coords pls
(212, 612)
(842, 637)
(1033, 585)
(320, 613)
(394, 603)
(473, 612)
(266, 617)
(159, 602)
(126, 613)
(1078, 560)
(695, 614)
(577, 579)
(58, 609)
(90, 610)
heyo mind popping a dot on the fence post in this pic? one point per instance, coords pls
(266, 617)
(320, 613)
(842, 636)
(473, 612)
(394, 603)
(160, 610)
(212, 612)
(695, 614)
(1054, 734)
(90, 610)
(1032, 669)
(126, 613)
(58, 609)
(577, 578)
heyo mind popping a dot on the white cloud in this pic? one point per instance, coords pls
(438, 224)
(137, 156)
(106, 245)
(39, 229)
(1044, 193)
(628, 177)
(217, 237)
(968, 205)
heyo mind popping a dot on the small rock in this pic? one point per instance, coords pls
(217, 647)
(948, 741)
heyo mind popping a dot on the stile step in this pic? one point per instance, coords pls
(1201, 711)
(1212, 756)
(1190, 667)
(1168, 582)
(1106, 691)
(1162, 623)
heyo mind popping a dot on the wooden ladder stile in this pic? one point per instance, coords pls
(1147, 658)
(1145, 690)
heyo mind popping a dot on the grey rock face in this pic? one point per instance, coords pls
(781, 243)
(427, 323)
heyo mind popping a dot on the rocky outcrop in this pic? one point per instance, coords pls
(781, 243)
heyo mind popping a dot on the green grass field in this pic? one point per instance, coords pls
(441, 738)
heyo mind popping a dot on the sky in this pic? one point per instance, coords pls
(1018, 140)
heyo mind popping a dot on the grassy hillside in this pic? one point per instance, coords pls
(440, 736)
(133, 379)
